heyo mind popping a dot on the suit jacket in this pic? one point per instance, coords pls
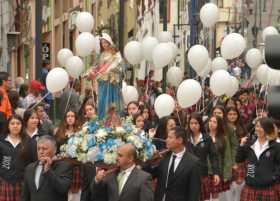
(53, 186)
(137, 187)
(185, 185)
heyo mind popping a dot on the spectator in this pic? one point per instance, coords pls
(14, 100)
(23, 91)
(70, 99)
(5, 106)
(35, 88)
(46, 125)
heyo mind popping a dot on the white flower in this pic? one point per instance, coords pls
(92, 153)
(110, 157)
(120, 130)
(84, 145)
(84, 129)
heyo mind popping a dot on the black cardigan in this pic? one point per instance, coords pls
(12, 163)
(262, 172)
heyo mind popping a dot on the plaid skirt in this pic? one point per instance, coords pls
(9, 192)
(239, 173)
(277, 189)
(218, 188)
(76, 182)
(265, 194)
(205, 188)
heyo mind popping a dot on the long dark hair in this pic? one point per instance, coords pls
(220, 133)
(22, 134)
(135, 117)
(220, 107)
(60, 134)
(268, 126)
(239, 126)
(161, 131)
(198, 118)
(26, 116)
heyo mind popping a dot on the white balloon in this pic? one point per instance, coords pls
(219, 63)
(268, 31)
(162, 55)
(57, 79)
(234, 86)
(209, 14)
(262, 74)
(174, 48)
(220, 82)
(148, 45)
(188, 93)
(124, 87)
(198, 57)
(273, 77)
(253, 58)
(130, 94)
(63, 55)
(165, 37)
(85, 44)
(75, 66)
(158, 75)
(232, 46)
(174, 75)
(133, 52)
(206, 70)
(164, 105)
(85, 22)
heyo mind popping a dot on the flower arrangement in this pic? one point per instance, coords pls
(97, 143)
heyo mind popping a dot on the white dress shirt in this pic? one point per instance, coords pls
(38, 172)
(200, 139)
(34, 133)
(178, 159)
(259, 149)
(126, 173)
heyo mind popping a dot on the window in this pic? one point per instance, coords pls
(164, 4)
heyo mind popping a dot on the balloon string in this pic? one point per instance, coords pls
(40, 101)
(147, 69)
(213, 99)
(68, 100)
(180, 122)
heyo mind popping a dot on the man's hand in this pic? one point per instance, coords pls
(47, 161)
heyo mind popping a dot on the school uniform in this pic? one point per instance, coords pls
(262, 170)
(12, 165)
(204, 149)
(277, 185)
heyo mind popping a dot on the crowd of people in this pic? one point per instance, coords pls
(228, 151)
(221, 149)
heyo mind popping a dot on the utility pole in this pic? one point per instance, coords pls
(38, 38)
(121, 25)
(165, 69)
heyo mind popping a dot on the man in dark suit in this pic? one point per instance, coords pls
(46, 179)
(126, 184)
(177, 174)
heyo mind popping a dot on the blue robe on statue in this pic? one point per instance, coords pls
(108, 76)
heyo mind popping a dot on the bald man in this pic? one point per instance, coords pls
(125, 184)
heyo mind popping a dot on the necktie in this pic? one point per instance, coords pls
(38, 174)
(171, 169)
(120, 180)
